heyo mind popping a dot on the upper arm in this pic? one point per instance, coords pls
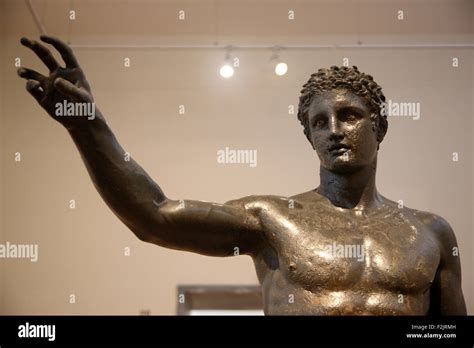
(206, 228)
(446, 297)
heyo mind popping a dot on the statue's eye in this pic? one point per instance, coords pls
(349, 117)
(320, 122)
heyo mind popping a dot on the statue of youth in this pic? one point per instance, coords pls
(339, 249)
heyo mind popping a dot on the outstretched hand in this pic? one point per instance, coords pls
(63, 85)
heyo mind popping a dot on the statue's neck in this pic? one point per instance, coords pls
(350, 190)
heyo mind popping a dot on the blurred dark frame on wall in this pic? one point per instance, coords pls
(218, 297)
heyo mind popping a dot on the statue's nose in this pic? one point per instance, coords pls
(335, 128)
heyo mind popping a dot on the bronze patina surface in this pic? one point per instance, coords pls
(339, 249)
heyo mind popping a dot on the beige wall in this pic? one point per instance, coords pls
(81, 250)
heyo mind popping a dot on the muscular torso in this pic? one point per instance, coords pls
(322, 260)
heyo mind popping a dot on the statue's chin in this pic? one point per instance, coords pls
(342, 167)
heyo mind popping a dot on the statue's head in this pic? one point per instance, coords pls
(340, 109)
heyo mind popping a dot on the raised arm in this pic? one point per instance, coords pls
(206, 228)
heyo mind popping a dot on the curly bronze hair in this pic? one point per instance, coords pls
(347, 78)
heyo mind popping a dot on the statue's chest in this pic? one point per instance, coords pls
(328, 250)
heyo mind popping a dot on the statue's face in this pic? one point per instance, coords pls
(342, 132)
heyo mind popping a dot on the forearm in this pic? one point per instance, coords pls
(201, 227)
(123, 184)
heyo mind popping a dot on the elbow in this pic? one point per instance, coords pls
(145, 234)
(140, 232)
(148, 226)
(144, 237)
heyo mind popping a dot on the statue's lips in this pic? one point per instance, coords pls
(338, 149)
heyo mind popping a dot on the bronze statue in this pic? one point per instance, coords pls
(340, 249)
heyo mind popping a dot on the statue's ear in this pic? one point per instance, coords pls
(382, 128)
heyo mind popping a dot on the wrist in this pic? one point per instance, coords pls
(93, 121)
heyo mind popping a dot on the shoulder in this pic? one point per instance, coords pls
(434, 223)
(436, 226)
(275, 203)
(258, 201)
(440, 229)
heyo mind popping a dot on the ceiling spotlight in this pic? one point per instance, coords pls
(226, 71)
(281, 69)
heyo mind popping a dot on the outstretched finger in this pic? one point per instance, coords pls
(63, 49)
(30, 74)
(34, 88)
(42, 52)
